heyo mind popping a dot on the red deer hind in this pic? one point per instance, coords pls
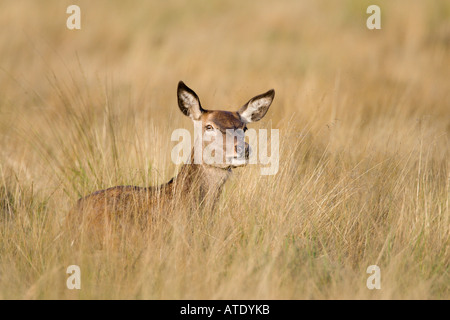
(197, 184)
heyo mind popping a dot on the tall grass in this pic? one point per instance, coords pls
(364, 119)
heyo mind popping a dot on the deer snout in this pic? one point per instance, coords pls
(243, 151)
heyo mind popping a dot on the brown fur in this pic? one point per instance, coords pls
(196, 185)
(224, 119)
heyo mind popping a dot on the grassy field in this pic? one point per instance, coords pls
(364, 119)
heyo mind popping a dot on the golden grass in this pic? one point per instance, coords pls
(364, 119)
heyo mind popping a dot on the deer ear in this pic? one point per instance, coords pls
(189, 102)
(256, 108)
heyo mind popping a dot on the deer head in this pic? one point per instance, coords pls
(222, 132)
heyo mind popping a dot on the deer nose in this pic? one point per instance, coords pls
(240, 151)
(243, 151)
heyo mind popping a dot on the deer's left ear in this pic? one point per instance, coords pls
(256, 108)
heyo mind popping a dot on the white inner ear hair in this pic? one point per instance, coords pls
(188, 99)
(253, 107)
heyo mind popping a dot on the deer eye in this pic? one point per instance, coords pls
(209, 127)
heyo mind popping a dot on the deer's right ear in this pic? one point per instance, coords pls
(189, 102)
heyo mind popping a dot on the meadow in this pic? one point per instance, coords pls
(364, 120)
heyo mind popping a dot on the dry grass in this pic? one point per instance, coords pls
(364, 119)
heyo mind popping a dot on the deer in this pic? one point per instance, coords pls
(198, 184)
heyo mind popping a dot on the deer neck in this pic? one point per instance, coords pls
(201, 182)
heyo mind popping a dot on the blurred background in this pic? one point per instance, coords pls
(363, 111)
